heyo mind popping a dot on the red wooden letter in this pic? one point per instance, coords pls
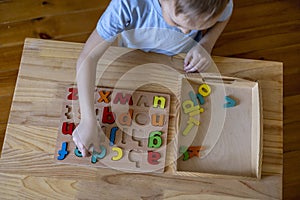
(73, 94)
(68, 128)
(108, 117)
(153, 157)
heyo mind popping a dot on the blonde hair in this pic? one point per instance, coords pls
(196, 8)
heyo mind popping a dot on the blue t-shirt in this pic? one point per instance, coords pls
(139, 24)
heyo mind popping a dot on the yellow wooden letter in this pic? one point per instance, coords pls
(204, 90)
(160, 100)
(119, 153)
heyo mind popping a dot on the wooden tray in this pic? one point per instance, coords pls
(228, 138)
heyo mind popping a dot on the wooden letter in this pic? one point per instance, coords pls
(155, 140)
(194, 151)
(193, 98)
(77, 152)
(119, 153)
(230, 102)
(160, 121)
(63, 151)
(188, 106)
(96, 155)
(67, 128)
(104, 96)
(187, 129)
(108, 117)
(183, 150)
(201, 99)
(204, 90)
(112, 136)
(73, 94)
(153, 157)
(159, 101)
(192, 121)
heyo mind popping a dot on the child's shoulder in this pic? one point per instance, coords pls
(132, 3)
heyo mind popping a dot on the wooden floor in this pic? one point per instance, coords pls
(259, 29)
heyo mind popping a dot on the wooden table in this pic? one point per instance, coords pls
(27, 166)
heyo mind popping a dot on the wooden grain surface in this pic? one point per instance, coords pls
(47, 67)
(258, 29)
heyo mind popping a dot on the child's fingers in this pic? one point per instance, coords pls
(96, 143)
(201, 64)
(189, 67)
(204, 64)
(187, 59)
(192, 70)
(192, 65)
(78, 143)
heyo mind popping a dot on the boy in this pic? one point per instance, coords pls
(162, 26)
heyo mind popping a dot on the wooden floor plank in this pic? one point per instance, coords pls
(290, 178)
(13, 11)
(5, 103)
(53, 27)
(253, 14)
(2, 134)
(258, 38)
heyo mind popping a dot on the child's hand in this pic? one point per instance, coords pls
(87, 135)
(197, 59)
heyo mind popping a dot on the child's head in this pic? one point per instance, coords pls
(192, 14)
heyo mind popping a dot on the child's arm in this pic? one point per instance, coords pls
(197, 58)
(212, 35)
(86, 135)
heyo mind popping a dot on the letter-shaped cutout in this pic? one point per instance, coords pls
(204, 90)
(96, 155)
(73, 94)
(123, 100)
(142, 118)
(155, 140)
(125, 119)
(153, 157)
(161, 101)
(68, 114)
(160, 121)
(108, 117)
(68, 128)
(229, 102)
(104, 95)
(119, 153)
(143, 100)
(62, 153)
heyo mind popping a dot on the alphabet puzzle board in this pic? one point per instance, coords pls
(134, 130)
